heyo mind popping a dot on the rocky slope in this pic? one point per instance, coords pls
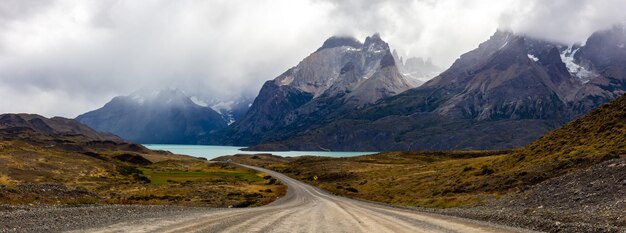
(166, 116)
(504, 94)
(342, 75)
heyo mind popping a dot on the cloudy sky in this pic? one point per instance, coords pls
(66, 57)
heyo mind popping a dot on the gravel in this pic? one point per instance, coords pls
(57, 218)
(589, 200)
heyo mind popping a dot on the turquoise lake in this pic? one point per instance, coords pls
(211, 152)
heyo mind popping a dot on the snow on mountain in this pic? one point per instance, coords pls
(567, 56)
(199, 102)
(231, 109)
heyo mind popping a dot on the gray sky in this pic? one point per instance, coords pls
(68, 57)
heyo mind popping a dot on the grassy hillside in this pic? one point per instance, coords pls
(31, 174)
(448, 179)
(60, 161)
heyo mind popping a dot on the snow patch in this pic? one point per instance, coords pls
(375, 48)
(286, 81)
(198, 102)
(225, 108)
(224, 105)
(506, 41)
(504, 45)
(532, 57)
(567, 56)
(230, 118)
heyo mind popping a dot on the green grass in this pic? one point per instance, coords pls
(168, 179)
(168, 176)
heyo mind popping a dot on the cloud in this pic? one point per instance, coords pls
(567, 21)
(66, 57)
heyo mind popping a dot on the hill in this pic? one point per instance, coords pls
(61, 161)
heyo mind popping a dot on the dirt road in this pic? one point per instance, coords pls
(307, 209)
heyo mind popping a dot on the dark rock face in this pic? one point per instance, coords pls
(605, 54)
(167, 116)
(341, 76)
(387, 60)
(506, 93)
(265, 116)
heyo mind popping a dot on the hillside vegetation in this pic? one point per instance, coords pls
(449, 179)
(60, 161)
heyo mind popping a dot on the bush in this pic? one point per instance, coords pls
(484, 170)
(245, 203)
(128, 170)
(141, 178)
(272, 181)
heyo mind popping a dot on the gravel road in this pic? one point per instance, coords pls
(303, 209)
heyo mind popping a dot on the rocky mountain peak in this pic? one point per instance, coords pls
(375, 44)
(155, 116)
(340, 41)
(162, 97)
(331, 81)
(604, 49)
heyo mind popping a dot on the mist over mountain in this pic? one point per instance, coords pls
(165, 116)
(416, 69)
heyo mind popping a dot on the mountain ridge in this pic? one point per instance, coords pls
(334, 80)
(165, 116)
(506, 93)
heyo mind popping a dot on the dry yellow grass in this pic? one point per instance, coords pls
(79, 178)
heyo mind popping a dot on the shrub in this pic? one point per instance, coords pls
(245, 203)
(128, 170)
(484, 170)
(272, 181)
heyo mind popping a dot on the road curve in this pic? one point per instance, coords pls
(307, 209)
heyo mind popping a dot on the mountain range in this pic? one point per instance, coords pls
(504, 94)
(353, 95)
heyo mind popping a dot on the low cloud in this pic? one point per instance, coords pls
(66, 57)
